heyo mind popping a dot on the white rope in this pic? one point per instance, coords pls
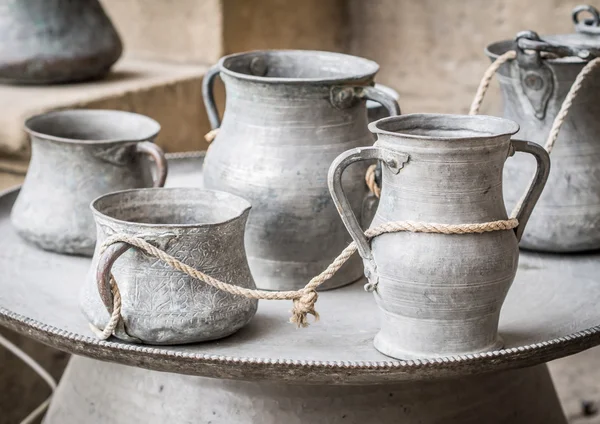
(31, 363)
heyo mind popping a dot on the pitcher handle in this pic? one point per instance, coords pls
(393, 109)
(537, 183)
(208, 95)
(384, 99)
(152, 150)
(392, 160)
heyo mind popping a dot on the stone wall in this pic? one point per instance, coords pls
(184, 31)
(431, 51)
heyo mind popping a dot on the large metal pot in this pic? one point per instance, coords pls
(534, 86)
(288, 114)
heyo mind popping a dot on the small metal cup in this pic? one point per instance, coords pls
(76, 156)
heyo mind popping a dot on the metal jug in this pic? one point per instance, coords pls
(567, 217)
(439, 294)
(288, 114)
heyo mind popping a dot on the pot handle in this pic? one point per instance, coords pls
(394, 161)
(152, 150)
(208, 95)
(103, 271)
(383, 98)
(534, 191)
(103, 277)
(343, 97)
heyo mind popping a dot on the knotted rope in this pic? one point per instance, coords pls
(304, 299)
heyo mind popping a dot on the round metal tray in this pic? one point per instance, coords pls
(551, 311)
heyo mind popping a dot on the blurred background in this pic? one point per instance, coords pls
(430, 52)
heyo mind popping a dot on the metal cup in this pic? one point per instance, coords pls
(76, 156)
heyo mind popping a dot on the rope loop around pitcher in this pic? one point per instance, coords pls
(561, 116)
(304, 299)
(566, 104)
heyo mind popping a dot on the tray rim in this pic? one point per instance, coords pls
(294, 370)
(363, 372)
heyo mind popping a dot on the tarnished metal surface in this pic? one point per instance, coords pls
(440, 295)
(567, 217)
(376, 111)
(55, 41)
(78, 155)
(203, 229)
(510, 397)
(288, 114)
(550, 311)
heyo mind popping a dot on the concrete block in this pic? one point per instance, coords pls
(169, 93)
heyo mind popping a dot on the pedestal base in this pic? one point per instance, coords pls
(99, 392)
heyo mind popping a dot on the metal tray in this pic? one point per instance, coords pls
(551, 311)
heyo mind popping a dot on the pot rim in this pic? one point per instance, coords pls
(370, 67)
(244, 207)
(511, 127)
(87, 113)
(503, 44)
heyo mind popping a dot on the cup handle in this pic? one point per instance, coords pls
(151, 149)
(394, 161)
(537, 184)
(208, 95)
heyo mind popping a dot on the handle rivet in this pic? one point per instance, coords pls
(533, 81)
(584, 54)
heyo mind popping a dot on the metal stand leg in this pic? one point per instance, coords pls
(100, 392)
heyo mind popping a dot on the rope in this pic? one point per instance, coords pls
(568, 102)
(304, 299)
(487, 78)
(370, 180)
(560, 117)
(211, 135)
(481, 91)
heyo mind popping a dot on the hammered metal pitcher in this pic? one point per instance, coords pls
(76, 156)
(288, 114)
(160, 305)
(440, 294)
(534, 86)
